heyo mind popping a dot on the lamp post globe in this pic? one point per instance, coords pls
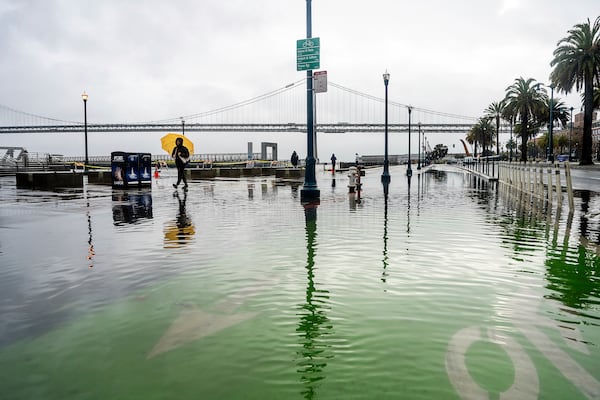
(385, 176)
(84, 97)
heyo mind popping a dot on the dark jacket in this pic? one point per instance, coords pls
(183, 152)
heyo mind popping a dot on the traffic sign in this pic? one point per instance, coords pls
(307, 54)
(320, 78)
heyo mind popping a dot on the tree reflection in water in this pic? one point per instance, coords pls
(573, 271)
(313, 355)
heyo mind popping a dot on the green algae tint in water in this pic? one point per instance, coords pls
(447, 289)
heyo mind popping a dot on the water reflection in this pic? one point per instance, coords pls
(572, 265)
(181, 231)
(294, 186)
(408, 208)
(573, 271)
(129, 207)
(385, 259)
(91, 251)
(314, 323)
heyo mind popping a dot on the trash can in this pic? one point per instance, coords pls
(145, 169)
(118, 167)
(131, 169)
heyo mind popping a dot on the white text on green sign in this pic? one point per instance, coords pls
(308, 54)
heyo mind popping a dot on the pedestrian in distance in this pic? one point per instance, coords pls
(333, 160)
(294, 159)
(182, 157)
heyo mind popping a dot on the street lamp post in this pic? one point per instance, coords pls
(550, 144)
(84, 96)
(310, 191)
(571, 135)
(419, 148)
(409, 169)
(385, 177)
(182, 126)
(511, 139)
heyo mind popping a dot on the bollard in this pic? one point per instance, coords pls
(549, 188)
(569, 185)
(558, 188)
(541, 183)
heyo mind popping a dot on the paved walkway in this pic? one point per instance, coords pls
(585, 177)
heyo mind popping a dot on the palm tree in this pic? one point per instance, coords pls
(560, 112)
(482, 132)
(473, 137)
(577, 63)
(496, 110)
(526, 99)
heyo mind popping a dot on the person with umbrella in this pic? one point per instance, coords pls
(181, 154)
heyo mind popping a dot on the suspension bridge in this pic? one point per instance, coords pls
(339, 110)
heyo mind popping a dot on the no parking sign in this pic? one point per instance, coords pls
(320, 78)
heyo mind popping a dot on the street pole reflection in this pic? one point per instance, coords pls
(91, 251)
(312, 356)
(385, 252)
(408, 208)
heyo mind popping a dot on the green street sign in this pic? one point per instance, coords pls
(308, 54)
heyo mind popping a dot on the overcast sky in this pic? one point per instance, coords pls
(157, 59)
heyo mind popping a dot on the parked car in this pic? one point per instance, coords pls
(562, 157)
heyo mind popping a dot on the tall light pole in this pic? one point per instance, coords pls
(385, 177)
(84, 96)
(419, 148)
(571, 135)
(309, 191)
(511, 138)
(409, 169)
(182, 126)
(550, 144)
(424, 148)
(497, 133)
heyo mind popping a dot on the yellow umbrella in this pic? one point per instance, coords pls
(167, 142)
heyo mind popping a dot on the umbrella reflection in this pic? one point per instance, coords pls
(314, 323)
(181, 231)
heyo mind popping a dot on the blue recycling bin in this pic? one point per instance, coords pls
(145, 168)
(131, 169)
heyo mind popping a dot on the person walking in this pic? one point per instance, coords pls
(294, 159)
(333, 160)
(182, 156)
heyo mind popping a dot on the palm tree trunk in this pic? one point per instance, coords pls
(588, 108)
(524, 134)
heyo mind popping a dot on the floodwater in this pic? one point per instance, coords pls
(449, 289)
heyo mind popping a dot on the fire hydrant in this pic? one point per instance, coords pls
(353, 179)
